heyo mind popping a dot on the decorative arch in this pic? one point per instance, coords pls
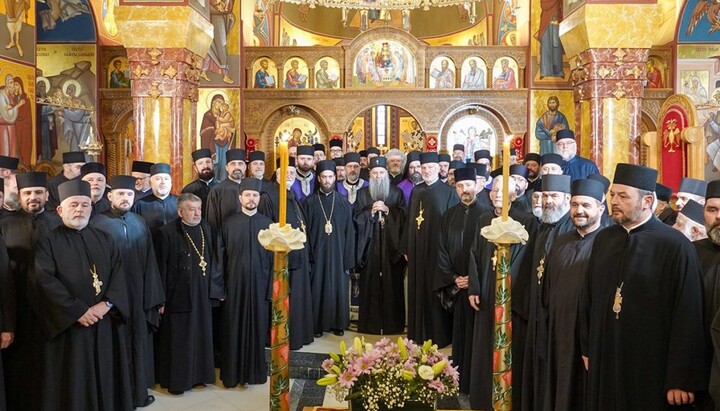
(473, 113)
(277, 116)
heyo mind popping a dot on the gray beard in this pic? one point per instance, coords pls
(416, 178)
(537, 212)
(379, 188)
(714, 234)
(553, 216)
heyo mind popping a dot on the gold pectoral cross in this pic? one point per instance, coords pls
(420, 218)
(541, 269)
(96, 280)
(202, 264)
(617, 302)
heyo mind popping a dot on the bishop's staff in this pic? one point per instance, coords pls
(503, 231)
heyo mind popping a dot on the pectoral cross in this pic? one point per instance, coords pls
(302, 225)
(617, 302)
(96, 280)
(541, 269)
(420, 218)
(202, 264)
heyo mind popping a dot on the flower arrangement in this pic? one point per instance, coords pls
(388, 374)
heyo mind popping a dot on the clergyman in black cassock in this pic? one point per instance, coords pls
(457, 234)
(565, 274)
(331, 235)
(301, 313)
(184, 248)
(96, 175)
(80, 297)
(145, 291)
(481, 292)
(555, 221)
(222, 200)
(160, 207)
(141, 172)
(203, 166)
(72, 162)
(247, 269)
(428, 202)
(644, 340)
(22, 231)
(7, 312)
(664, 211)
(379, 217)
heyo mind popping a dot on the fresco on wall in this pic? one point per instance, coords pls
(261, 23)
(655, 73)
(218, 114)
(548, 63)
(17, 110)
(264, 73)
(327, 73)
(475, 133)
(474, 74)
(550, 112)
(507, 29)
(17, 25)
(699, 22)
(442, 73)
(295, 70)
(505, 73)
(222, 61)
(64, 21)
(303, 131)
(66, 75)
(384, 63)
(118, 73)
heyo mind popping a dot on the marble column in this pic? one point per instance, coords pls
(165, 48)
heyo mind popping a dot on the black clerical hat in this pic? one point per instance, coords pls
(455, 164)
(431, 157)
(291, 162)
(252, 184)
(201, 153)
(378, 161)
(141, 166)
(694, 211)
(641, 177)
(306, 151)
(663, 192)
(363, 153)
(458, 147)
(235, 154)
(482, 154)
(587, 187)
(496, 173)
(339, 162)
(73, 187)
(713, 190)
(324, 165)
(413, 156)
(465, 173)
(552, 158)
(693, 186)
(442, 157)
(533, 157)
(336, 142)
(481, 170)
(33, 179)
(10, 163)
(88, 168)
(519, 170)
(319, 147)
(120, 182)
(373, 150)
(564, 133)
(70, 157)
(600, 178)
(256, 156)
(551, 182)
(160, 168)
(352, 158)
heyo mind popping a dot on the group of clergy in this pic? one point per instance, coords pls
(106, 289)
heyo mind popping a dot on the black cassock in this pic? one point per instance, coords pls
(201, 189)
(222, 202)
(524, 202)
(483, 198)
(534, 363)
(102, 205)
(655, 342)
(426, 317)
(84, 368)
(52, 188)
(185, 341)
(565, 275)
(482, 283)
(7, 308)
(333, 255)
(247, 269)
(156, 212)
(301, 311)
(380, 264)
(457, 234)
(22, 360)
(145, 292)
(668, 216)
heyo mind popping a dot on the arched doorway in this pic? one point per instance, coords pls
(385, 126)
(474, 127)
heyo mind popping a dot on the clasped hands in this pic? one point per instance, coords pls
(94, 314)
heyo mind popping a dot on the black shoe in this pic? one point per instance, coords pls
(318, 335)
(339, 333)
(149, 400)
(176, 392)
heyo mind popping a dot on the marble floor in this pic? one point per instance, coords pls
(304, 391)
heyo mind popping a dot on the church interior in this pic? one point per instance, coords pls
(637, 81)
